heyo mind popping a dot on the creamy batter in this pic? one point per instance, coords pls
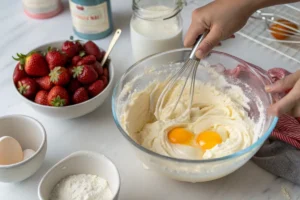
(212, 111)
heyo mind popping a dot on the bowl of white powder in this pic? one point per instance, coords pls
(224, 128)
(81, 175)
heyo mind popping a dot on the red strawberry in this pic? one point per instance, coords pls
(105, 72)
(33, 63)
(19, 73)
(44, 83)
(85, 74)
(27, 87)
(41, 97)
(92, 49)
(98, 68)
(73, 85)
(79, 46)
(55, 58)
(58, 96)
(70, 49)
(105, 80)
(75, 60)
(95, 88)
(87, 60)
(60, 76)
(80, 95)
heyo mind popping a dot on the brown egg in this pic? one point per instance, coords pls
(10, 151)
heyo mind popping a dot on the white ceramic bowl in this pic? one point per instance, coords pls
(71, 111)
(31, 135)
(81, 162)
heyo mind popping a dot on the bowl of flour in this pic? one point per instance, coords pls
(81, 175)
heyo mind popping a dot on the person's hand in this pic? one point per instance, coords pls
(290, 104)
(222, 18)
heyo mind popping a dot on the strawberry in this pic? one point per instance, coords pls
(79, 46)
(98, 68)
(33, 63)
(73, 85)
(41, 97)
(55, 58)
(60, 76)
(44, 83)
(105, 80)
(92, 49)
(95, 88)
(80, 95)
(27, 87)
(85, 74)
(58, 96)
(75, 60)
(105, 72)
(19, 73)
(87, 60)
(70, 48)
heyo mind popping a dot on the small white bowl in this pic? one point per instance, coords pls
(81, 162)
(31, 135)
(71, 111)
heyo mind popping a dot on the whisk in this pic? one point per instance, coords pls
(190, 66)
(287, 27)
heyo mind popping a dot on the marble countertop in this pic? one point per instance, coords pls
(20, 33)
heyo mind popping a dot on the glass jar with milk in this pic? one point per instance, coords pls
(156, 26)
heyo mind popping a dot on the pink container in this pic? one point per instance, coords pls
(42, 9)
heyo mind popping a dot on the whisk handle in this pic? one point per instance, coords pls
(198, 41)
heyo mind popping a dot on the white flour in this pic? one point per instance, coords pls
(82, 187)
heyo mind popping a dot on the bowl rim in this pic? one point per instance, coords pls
(72, 155)
(110, 82)
(42, 131)
(152, 153)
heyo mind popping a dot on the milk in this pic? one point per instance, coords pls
(153, 36)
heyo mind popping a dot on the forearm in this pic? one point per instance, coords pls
(258, 4)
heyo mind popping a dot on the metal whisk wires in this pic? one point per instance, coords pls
(190, 66)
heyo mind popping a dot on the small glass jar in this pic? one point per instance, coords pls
(92, 19)
(42, 9)
(155, 26)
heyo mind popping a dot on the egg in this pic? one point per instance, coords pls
(208, 139)
(27, 153)
(180, 135)
(10, 151)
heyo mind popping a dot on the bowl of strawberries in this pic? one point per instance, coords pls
(64, 79)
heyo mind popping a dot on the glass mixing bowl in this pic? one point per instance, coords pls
(250, 78)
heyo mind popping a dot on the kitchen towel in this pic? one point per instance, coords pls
(280, 155)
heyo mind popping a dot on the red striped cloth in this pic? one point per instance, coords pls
(288, 128)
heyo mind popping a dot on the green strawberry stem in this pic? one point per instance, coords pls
(77, 71)
(23, 88)
(54, 74)
(58, 102)
(82, 53)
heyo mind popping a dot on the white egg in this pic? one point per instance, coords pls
(27, 153)
(10, 151)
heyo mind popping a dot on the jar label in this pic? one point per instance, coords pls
(41, 6)
(90, 19)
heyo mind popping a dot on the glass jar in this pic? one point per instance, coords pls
(92, 19)
(155, 26)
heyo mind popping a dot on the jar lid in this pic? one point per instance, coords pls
(157, 10)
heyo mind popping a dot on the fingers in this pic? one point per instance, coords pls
(284, 84)
(193, 32)
(212, 39)
(288, 104)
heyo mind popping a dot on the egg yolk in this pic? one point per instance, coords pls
(208, 139)
(180, 136)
